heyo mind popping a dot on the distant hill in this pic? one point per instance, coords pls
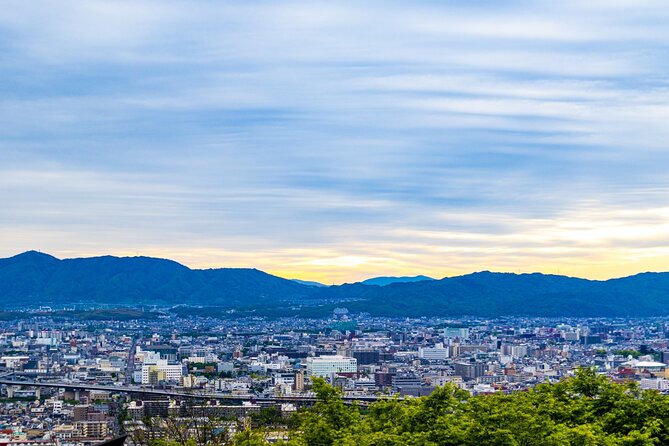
(308, 282)
(383, 281)
(507, 294)
(35, 279)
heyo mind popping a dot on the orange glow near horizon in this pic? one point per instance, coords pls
(600, 244)
(349, 269)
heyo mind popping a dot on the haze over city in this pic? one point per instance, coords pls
(336, 141)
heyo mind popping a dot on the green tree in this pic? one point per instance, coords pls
(586, 409)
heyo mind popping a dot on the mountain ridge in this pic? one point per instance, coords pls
(31, 276)
(33, 279)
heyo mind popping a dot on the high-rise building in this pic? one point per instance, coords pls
(298, 386)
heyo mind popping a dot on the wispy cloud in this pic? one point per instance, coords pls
(338, 140)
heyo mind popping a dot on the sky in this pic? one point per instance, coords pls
(337, 140)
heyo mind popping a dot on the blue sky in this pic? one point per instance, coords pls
(339, 140)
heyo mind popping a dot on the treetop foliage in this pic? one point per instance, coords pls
(586, 409)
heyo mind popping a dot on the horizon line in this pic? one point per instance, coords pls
(517, 273)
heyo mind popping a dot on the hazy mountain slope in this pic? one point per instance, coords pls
(387, 280)
(309, 282)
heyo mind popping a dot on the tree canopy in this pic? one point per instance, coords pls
(586, 409)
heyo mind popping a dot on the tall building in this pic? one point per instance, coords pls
(324, 366)
(665, 357)
(298, 386)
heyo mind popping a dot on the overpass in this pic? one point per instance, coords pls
(140, 390)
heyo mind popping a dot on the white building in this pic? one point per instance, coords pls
(436, 353)
(516, 351)
(654, 383)
(14, 361)
(641, 365)
(163, 370)
(574, 335)
(324, 366)
(57, 407)
(456, 332)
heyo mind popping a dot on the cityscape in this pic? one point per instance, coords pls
(80, 382)
(334, 223)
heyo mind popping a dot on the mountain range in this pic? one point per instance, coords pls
(35, 279)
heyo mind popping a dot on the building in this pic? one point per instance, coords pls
(166, 352)
(456, 332)
(654, 384)
(436, 353)
(469, 370)
(298, 383)
(646, 366)
(80, 411)
(92, 429)
(324, 366)
(411, 385)
(156, 408)
(221, 411)
(409, 380)
(135, 410)
(383, 379)
(515, 351)
(65, 432)
(161, 371)
(366, 357)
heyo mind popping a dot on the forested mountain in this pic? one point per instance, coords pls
(499, 294)
(34, 278)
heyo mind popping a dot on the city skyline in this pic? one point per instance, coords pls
(339, 141)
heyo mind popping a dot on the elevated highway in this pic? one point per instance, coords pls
(177, 394)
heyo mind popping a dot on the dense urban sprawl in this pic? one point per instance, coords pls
(74, 382)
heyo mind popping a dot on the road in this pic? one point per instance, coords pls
(130, 366)
(177, 394)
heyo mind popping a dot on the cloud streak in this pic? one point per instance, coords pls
(339, 140)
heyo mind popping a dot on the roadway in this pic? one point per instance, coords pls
(174, 393)
(130, 365)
